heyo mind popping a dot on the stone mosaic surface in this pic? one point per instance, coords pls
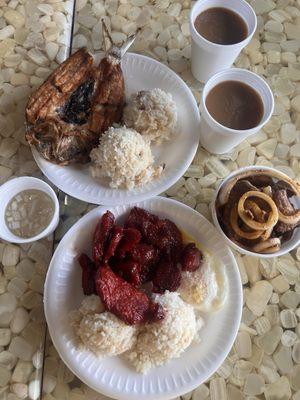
(265, 360)
(34, 38)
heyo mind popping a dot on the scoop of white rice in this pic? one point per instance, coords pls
(105, 334)
(91, 304)
(161, 341)
(101, 332)
(124, 157)
(153, 113)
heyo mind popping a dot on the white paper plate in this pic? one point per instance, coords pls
(140, 72)
(113, 376)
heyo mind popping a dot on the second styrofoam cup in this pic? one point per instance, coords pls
(219, 139)
(207, 57)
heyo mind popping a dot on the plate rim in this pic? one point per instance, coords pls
(94, 199)
(186, 387)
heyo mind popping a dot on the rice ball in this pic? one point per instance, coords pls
(153, 113)
(161, 341)
(125, 158)
(90, 304)
(105, 334)
(100, 331)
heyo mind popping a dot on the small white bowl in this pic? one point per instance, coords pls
(286, 247)
(10, 189)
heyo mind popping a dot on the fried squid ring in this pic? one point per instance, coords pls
(267, 246)
(262, 226)
(234, 224)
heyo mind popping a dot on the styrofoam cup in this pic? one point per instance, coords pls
(208, 58)
(219, 139)
(10, 189)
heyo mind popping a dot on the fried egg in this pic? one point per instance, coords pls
(205, 289)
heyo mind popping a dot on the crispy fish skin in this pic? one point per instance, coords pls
(39, 100)
(75, 71)
(53, 93)
(62, 142)
(109, 97)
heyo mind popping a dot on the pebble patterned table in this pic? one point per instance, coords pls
(34, 37)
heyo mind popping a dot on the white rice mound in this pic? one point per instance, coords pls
(105, 334)
(153, 113)
(161, 341)
(90, 304)
(101, 332)
(206, 289)
(125, 158)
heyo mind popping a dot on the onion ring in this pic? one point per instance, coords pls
(267, 246)
(272, 249)
(273, 215)
(289, 219)
(234, 224)
(226, 189)
(267, 233)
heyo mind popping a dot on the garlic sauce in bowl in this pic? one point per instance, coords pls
(29, 210)
(29, 213)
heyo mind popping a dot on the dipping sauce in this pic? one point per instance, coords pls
(221, 25)
(235, 105)
(29, 213)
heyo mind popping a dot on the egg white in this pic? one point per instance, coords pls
(207, 288)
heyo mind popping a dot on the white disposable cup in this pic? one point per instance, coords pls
(10, 189)
(209, 58)
(219, 139)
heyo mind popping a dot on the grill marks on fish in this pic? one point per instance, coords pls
(55, 91)
(73, 71)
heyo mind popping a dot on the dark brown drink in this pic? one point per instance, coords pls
(221, 25)
(235, 105)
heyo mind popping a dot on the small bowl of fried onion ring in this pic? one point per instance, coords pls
(257, 211)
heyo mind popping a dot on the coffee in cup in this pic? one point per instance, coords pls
(220, 29)
(221, 25)
(235, 104)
